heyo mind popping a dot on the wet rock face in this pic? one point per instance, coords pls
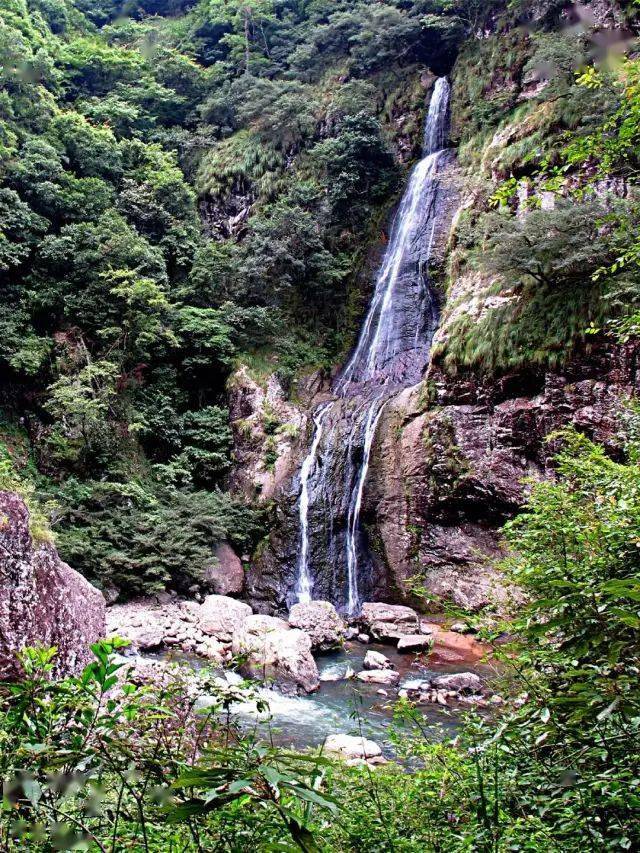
(42, 600)
(453, 455)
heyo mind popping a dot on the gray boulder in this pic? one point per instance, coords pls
(376, 660)
(378, 676)
(226, 575)
(42, 600)
(351, 746)
(322, 623)
(219, 616)
(389, 622)
(274, 651)
(415, 643)
(461, 682)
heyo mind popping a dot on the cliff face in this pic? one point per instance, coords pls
(453, 456)
(42, 600)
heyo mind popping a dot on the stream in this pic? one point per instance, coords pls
(343, 706)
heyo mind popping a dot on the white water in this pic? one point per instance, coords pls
(304, 587)
(391, 354)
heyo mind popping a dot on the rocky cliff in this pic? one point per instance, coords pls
(42, 600)
(453, 456)
(514, 358)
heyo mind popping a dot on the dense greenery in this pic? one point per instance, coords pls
(183, 185)
(548, 124)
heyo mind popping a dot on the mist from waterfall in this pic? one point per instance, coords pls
(392, 353)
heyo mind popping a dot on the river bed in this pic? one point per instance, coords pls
(347, 706)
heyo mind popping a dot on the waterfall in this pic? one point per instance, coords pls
(392, 353)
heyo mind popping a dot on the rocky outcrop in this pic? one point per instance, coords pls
(265, 427)
(149, 624)
(454, 455)
(42, 600)
(226, 575)
(273, 651)
(321, 622)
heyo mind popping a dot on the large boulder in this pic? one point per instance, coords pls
(42, 600)
(226, 575)
(352, 746)
(273, 650)
(220, 616)
(461, 682)
(451, 647)
(415, 643)
(389, 622)
(321, 622)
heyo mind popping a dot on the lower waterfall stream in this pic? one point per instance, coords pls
(391, 354)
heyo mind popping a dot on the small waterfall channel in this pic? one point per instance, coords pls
(392, 352)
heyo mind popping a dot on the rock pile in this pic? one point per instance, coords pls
(222, 627)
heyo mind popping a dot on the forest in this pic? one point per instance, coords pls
(193, 191)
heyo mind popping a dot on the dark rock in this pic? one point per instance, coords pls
(42, 600)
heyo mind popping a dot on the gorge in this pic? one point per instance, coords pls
(319, 425)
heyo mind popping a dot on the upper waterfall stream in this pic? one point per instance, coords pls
(391, 354)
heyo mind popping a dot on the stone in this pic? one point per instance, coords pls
(351, 633)
(376, 660)
(382, 692)
(321, 622)
(378, 676)
(452, 648)
(461, 682)
(365, 639)
(415, 643)
(352, 746)
(42, 600)
(388, 621)
(220, 615)
(461, 628)
(275, 651)
(226, 575)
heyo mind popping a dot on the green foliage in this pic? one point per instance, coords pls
(128, 536)
(99, 762)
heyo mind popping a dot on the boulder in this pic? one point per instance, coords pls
(389, 621)
(454, 648)
(351, 746)
(273, 650)
(376, 660)
(220, 616)
(42, 600)
(378, 676)
(415, 643)
(321, 622)
(460, 682)
(226, 575)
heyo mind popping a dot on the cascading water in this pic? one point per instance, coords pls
(391, 354)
